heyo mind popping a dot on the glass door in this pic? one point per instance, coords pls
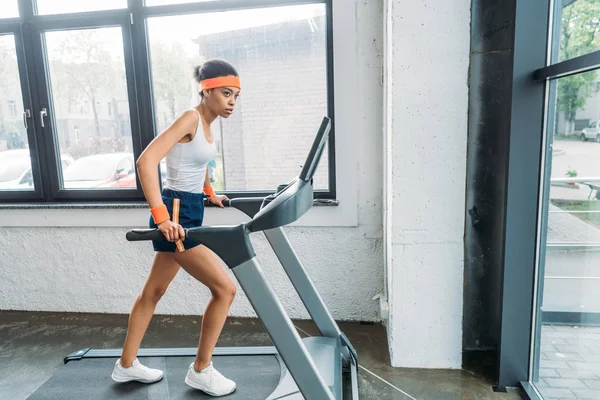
(20, 167)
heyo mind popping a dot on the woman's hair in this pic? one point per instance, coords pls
(213, 68)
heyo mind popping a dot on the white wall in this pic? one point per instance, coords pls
(55, 260)
(427, 58)
(96, 270)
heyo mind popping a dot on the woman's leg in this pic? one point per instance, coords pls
(163, 271)
(201, 263)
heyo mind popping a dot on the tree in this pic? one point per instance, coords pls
(4, 82)
(573, 92)
(171, 75)
(580, 34)
(84, 69)
(10, 89)
(8, 63)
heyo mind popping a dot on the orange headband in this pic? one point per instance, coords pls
(220, 82)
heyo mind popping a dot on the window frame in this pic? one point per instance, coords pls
(13, 27)
(133, 22)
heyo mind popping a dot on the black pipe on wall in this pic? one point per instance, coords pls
(490, 87)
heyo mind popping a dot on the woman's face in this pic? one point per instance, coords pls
(222, 100)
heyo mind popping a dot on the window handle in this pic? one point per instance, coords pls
(26, 114)
(43, 114)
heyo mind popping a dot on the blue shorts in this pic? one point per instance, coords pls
(191, 214)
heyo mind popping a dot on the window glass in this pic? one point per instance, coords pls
(169, 2)
(577, 28)
(87, 73)
(280, 54)
(567, 336)
(9, 9)
(15, 161)
(70, 6)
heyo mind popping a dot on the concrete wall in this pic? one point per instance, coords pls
(95, 270)
(68, 263)
(427, 59)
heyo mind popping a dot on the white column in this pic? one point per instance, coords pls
(425, 127)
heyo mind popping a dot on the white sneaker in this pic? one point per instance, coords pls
(210, 381)
(137, 372)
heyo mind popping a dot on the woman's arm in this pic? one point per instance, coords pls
(147, 163)
(147, 167)
(207, 184)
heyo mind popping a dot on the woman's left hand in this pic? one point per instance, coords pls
(218, 200)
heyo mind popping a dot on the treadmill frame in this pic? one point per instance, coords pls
(301, 357)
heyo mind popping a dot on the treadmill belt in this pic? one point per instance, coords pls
(256, 378)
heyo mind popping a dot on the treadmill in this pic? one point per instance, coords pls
(321, 367)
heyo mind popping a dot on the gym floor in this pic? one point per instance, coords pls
(32, 346)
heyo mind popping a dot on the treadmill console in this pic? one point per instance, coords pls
(295, 199)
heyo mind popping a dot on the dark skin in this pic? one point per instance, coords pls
(200, 262)
(217, 102)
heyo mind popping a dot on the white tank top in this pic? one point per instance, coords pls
(187, 162)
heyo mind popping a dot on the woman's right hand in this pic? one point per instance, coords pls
(172, 231)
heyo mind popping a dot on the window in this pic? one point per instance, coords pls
(579, 24)
(12, 108)
(99, 103)
(569, 275)
(10, 9)
(70, 6)
(75, 76)
(15, 163)
(27, 179)
(169, 2)
(281, 57)
(566, 306)
(15, 157)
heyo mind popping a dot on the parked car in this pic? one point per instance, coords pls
(130, 181)
(13, 163)
(15, 169)
(99, 170)
(592, 132)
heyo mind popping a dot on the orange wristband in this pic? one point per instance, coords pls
(209, 192)
(160, 214)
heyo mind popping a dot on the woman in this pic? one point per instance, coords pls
(187, 146)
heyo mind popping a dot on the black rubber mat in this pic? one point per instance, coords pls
(256, 378)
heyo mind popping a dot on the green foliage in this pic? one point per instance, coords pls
(580, 30)
(171, 75)
(10, 87)
(573, 92)
(83, 69)
(580, 34)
